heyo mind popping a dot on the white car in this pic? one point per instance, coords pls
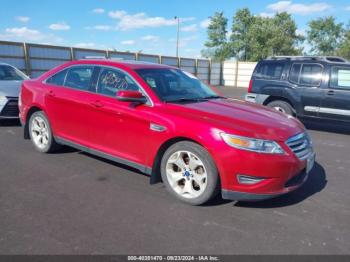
(10, 85)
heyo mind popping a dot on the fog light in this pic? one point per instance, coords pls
(249, 180)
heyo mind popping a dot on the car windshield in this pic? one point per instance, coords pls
(174, 85)
(9, 73)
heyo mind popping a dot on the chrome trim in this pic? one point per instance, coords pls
(157, 128)
(145, 169)
(327, 110)
(300, 145)
(312, 109)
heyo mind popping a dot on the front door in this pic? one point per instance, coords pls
(117, 128)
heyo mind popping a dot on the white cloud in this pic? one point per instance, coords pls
(150, 38)
(184, 41)
(301, 9)
(205, 23)
(98, 11)
(99, 27)
(141, 20)
(128, 42)
(300, 32)
(347, 8)
(23, 19)
(263, 14)
(59, 26)
(85, 45)
(28, 35)
(189, 28)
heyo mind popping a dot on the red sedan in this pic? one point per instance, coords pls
(168, 124)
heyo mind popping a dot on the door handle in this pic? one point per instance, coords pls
(97, 104)
(330, 92)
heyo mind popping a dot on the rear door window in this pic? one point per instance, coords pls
(311, 74)
(79, 77)
(271, 71)
(58, 78)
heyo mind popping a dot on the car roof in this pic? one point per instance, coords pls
(124, 63)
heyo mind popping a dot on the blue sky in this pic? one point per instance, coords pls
(135, 25)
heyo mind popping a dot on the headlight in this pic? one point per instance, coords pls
(252, 144)
(3, 100)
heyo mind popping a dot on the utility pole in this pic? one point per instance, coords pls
(178, 33)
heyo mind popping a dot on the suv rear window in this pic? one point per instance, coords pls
(270, 71)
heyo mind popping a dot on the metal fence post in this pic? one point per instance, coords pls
(26, 59)
(236, 73)
(222, 73)
(71, 53)
(209, 72)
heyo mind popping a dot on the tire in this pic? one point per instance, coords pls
(282, 106)
(189, 173)
(41, 134)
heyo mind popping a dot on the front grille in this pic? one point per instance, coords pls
(10, 109)
(301, 145)
(296, 180)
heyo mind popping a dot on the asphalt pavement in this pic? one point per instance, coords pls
(74, 203)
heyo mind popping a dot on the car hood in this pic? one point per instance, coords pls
(10, 88)
(241, 118)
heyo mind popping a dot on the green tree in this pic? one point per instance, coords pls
(256, 37)
(217, 45)
(344, 47)
(324, 35)
(242, 24)
(284, 40)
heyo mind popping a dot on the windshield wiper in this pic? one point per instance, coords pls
(213, 97)
(185, 99)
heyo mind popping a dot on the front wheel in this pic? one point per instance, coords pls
(41, 134)
(189, 173)
(281, 106)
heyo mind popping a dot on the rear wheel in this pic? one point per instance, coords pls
(189, 173)
(41, 134)
(281, 106)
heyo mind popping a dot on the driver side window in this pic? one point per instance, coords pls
(111, 81)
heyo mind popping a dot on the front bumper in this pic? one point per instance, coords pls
(278, 173)
(291, 185)
(10, 109)
(256, 98)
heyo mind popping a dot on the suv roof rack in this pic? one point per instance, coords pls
(330, 59)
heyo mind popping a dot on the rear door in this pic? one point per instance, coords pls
(67, 102)
(336, 101)
(308, 80)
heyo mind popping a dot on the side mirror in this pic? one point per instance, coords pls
(131, 96)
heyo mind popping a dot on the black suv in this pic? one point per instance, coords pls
(317, 87)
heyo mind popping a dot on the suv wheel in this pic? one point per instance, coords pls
(189, 173)
(281, 106)
(41, 134)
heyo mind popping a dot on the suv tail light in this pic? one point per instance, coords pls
(250, 86)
